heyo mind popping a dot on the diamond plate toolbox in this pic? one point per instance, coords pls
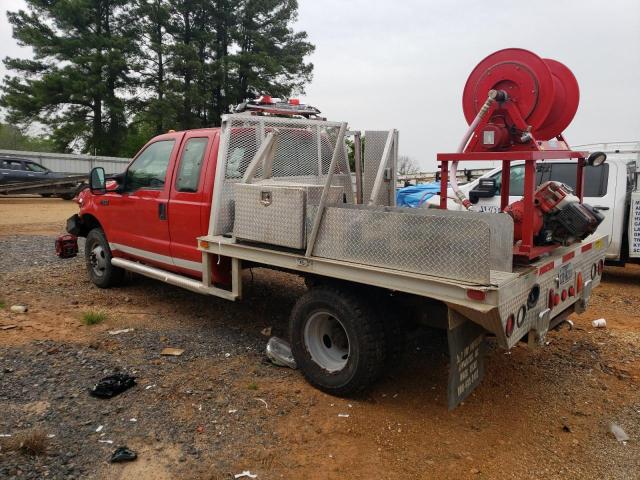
(274, 213)
(457, 245)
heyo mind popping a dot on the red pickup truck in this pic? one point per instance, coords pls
(193, 208)
(133, 219)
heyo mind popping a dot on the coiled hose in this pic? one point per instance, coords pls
(462, 198)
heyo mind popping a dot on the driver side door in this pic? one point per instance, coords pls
(138, 214)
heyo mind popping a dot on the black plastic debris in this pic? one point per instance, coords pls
(123, 454)
(112, 385)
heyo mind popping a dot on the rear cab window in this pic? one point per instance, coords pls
(12, 165)
(190, 166)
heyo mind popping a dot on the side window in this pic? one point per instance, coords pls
(516, 181)
(191, 165)
(595, 178)
(149, 170)
(35, 167)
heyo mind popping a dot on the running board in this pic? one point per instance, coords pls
(173, 279)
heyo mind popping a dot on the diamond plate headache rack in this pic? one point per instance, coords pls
(303, 153)
(380, 162)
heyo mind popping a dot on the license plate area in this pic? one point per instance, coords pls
(566, 274)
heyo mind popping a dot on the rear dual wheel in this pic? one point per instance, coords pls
(337, 339)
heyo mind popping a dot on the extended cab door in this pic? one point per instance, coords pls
(189, 199)
(137, 217)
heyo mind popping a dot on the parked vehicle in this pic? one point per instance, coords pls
(273, 189)
(608, 188)
(22, 171)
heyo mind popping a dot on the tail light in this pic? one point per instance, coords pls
(556, 299)
(572, 291)
(564, 295)
(552, 297)
(476, 294)
(294, 101)
(508, 329)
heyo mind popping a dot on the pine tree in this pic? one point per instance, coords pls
(81, 66)
(153, 99)
(271, 55)
(109, 74)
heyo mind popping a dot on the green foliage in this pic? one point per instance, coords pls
(93, 317)
(2, 304)
(82, 55)
(11, 138)
(252, 386)
(109, 74)
(351, 152)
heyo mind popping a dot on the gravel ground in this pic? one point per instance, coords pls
(21, 252)
(50, 380)
(220, 408)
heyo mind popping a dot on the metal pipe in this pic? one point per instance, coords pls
(172, 278)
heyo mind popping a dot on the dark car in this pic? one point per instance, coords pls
(14, 170)
(20, 170)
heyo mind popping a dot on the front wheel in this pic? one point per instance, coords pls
(337, 340)
(98, 258)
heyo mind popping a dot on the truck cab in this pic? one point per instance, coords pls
(608, 188)
(153, 211)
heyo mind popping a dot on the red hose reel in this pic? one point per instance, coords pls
(543, 91)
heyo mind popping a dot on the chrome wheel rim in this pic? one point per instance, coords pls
(327, 341)
(98, 260)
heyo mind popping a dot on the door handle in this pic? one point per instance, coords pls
(600, 207)
(162, 210)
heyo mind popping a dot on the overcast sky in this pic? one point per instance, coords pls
(403, 64)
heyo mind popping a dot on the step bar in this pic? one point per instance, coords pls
(179, 280)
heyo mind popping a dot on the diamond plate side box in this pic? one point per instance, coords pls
(458, 245)
(275, 213)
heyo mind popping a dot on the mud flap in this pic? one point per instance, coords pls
(467, 349)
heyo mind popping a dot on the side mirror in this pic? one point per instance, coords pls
(486, 188)
(97, 181)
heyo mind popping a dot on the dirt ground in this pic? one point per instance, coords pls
(221, 409)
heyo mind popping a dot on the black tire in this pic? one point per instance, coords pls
(357, 320)
(98, 259)
(68, 196)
